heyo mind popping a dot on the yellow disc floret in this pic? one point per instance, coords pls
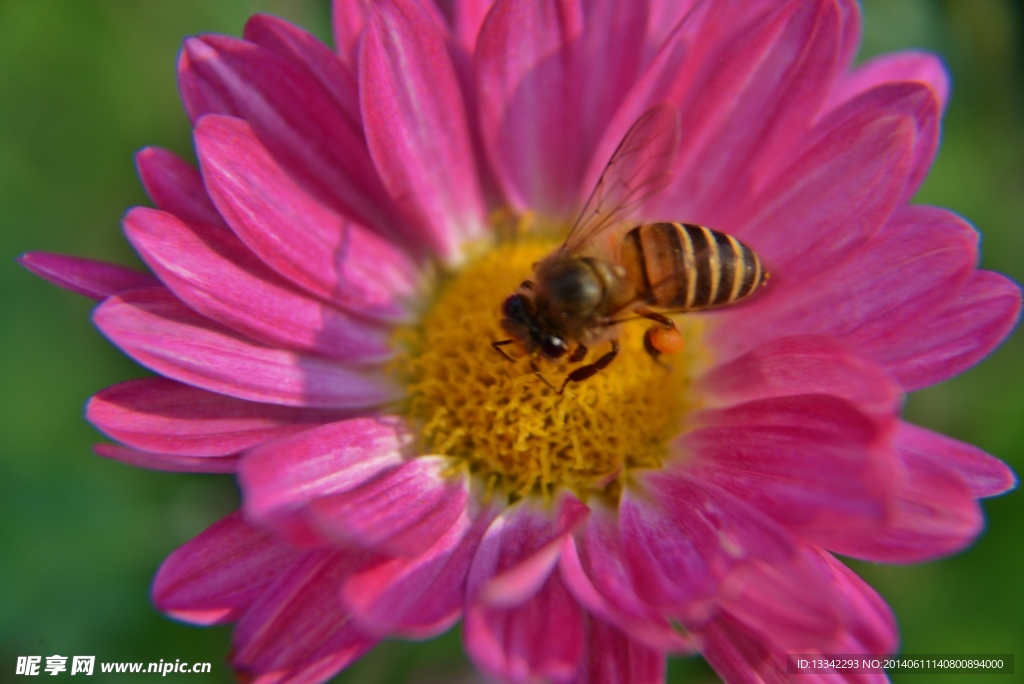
(469, 402)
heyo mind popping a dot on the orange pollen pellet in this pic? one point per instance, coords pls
(666, 340)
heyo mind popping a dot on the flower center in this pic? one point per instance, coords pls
(469, 402)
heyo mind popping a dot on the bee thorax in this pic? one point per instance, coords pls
(567, 289)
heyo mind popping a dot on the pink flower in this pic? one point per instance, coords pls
(328, 283)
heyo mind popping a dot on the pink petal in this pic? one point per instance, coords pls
(303, 50)
(984, 475)
(791, 366)
(301, 124)
(812, 602)
(660, 82)
(281, 478)
(833, 196)
(902, 121)
(541, 639)
(920, 102)
(894, 67)
(297, 631)
(164, 416)
(296, 236)
(951, 340)
(612, 657)
(700, 56)
(753, 105)
(420, 596)
(700, 35)
(813, 463)
(88, 277)
(467, 19)
(175, 186)
(161, 333)
(739, 656)
(935, 515)
(679, 538)
(463, 62)
(663, 17)
(870, 623)
(875, 298)
(595, 570)
(175, 463)
(215, 273)
(416, 126)
(348, 17)
(403, 511)
(520, 549)
(215, 577)
(851, 32)
(528, 88)
(609, 54)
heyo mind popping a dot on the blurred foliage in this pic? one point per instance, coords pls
(86, 83)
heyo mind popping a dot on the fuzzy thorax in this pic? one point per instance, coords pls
(514, 432)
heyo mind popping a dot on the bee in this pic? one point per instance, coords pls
(610, 270)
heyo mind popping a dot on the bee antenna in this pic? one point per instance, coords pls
(536, 371)
(497, 346)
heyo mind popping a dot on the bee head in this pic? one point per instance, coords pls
(520, 321)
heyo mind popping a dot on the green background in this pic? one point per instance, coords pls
(86, 83)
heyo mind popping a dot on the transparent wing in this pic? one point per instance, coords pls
(640, 166)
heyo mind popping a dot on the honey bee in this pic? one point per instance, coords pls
(610, 270)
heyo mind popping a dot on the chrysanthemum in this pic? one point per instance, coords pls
(327, 286)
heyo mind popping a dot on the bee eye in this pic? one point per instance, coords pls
(553, 347)
(513, 307)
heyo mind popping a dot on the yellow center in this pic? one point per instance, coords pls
(469, 402)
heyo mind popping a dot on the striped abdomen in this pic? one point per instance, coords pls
(686, 267)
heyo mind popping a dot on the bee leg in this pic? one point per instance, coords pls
(536, 371)
(644, 312)
(591, 369)
(498, 348)
(578, 354)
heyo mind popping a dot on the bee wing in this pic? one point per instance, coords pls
(640, 166)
